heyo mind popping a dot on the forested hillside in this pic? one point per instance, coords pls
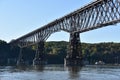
(56, 52)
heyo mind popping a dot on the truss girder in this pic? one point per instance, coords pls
(95, 15)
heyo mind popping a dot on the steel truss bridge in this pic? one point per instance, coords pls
(97, 14)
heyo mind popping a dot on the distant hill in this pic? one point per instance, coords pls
(56, 51)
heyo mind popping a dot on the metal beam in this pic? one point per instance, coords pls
(97, 14)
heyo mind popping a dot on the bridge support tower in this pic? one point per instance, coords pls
(40, 55)
(74, 55)
(20, 61)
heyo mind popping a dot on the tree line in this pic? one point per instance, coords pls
(57, 51)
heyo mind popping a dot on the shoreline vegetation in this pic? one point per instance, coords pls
(56, 51)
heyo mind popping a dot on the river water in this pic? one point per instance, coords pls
(59, 72)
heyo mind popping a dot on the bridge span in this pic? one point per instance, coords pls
(97, 14)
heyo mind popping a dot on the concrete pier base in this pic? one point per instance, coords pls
(21, 62)
(73, 62)
(39, 61)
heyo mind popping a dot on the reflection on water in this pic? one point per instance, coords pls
(59, 72)
(39, 67)
(22, 67)
(28, 68)
(74, 72)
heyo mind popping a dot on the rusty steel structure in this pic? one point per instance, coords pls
(97, 14)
